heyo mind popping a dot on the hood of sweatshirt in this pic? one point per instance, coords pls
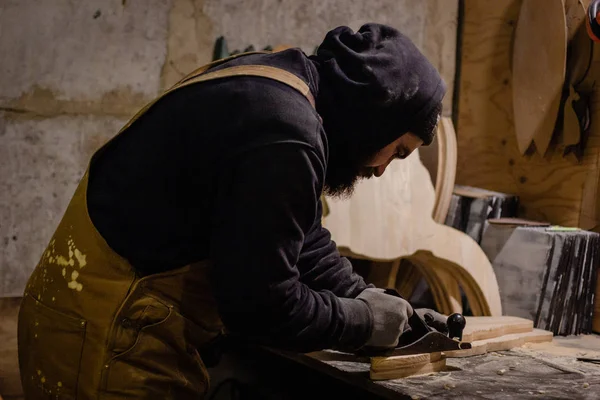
(374, 86)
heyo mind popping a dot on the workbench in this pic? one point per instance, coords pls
(536, 371)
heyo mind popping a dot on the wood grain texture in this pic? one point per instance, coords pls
(439, 44)
(501, 343)
(575, 14)
(401, 224)
(384, 368)
(480, 328)
(486, 334)
(538, 65)
(550, 188)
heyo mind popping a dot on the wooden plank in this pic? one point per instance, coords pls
(480, 328)
(501, 343)
(385, 368)
(552, 363)
(486, 334)
(439, 42)
(516, 222)
(550, 188)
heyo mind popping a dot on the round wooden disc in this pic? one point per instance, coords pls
(539, 63)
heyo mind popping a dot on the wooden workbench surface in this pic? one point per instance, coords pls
(520, 373)
(537, 371)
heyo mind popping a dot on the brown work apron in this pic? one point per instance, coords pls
(91, 328)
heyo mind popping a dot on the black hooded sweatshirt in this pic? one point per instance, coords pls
(233, 170)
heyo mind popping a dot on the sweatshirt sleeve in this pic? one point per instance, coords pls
(267, 201)
(323, 268)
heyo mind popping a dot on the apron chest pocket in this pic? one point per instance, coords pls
(51, 361)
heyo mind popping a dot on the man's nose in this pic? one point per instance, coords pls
(381, 169)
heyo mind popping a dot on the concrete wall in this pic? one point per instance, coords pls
(72, 72)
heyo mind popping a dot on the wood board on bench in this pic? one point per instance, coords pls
(486, 334)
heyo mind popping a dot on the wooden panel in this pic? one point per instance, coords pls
(501, 343)
(486, 334)
(439, 43)
(550, 188)
(383, 368)
(480, 328)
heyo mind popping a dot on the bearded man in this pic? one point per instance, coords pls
(203, 217)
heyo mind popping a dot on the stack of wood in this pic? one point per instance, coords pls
(546, 273)
(471, 207)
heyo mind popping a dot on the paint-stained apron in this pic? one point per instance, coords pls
(91, 328)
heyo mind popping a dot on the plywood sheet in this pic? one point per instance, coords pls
(550, 188)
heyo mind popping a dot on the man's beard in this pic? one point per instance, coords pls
(343, 175)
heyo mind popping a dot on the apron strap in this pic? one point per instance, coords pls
(215, 63)
(265, 71)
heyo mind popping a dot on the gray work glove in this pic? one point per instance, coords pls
(390, 317)
(434, 319)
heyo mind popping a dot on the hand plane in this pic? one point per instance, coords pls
(421, 338)
(428, 340)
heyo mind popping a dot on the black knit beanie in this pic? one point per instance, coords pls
(375, 85)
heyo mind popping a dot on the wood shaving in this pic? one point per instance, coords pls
(449, 386)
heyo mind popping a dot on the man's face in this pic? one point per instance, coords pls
(341, 179)
(399, 149)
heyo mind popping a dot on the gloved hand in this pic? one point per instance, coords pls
(390, 317)
(433, 319)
